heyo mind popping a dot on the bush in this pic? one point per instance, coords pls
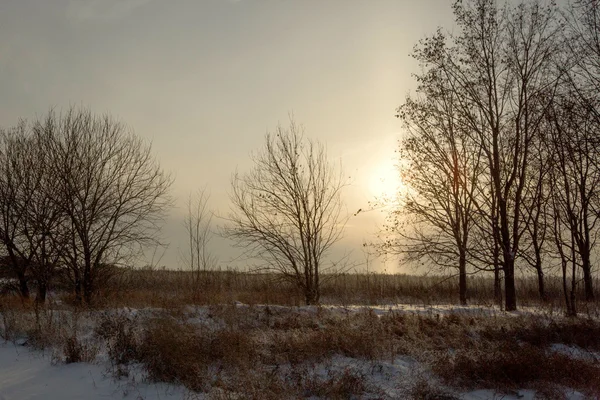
(513, 365)
(122, 336)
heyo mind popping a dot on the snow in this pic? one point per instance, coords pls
(576, 352)
(30, 375)
(517, 395)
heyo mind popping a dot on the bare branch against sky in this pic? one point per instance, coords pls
(204, 80)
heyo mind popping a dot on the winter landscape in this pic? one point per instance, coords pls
(419, 221)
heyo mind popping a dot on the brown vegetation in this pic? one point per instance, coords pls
(274, 351)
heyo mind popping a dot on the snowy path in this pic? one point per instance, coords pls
(26, 375)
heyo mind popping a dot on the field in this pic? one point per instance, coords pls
(234, 335)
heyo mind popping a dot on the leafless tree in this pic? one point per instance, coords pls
(287, 211)
(31, 220)
(198, 226)
(111, 189)
(582, 64)
(441, 169)
(581, 121)
(538, 212)
(577, 176)
(12, 211)
(500, 65)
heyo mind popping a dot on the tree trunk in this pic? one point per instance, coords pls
(42, 290)
(87, 288)
(23, 287)
(310, 297)
(541, 284)
(510, 294)
(587, 276)
(573, 310)
(462, 280)
(77, 284)
(497, 281)
(564, 282)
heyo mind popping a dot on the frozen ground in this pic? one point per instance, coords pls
(31, 375)
(27, 374)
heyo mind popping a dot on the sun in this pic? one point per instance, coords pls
(384, 181)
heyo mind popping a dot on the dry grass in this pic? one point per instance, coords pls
(170, 289)
(509, 364)
(274, 352)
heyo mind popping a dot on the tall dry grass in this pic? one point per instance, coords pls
(168, 288)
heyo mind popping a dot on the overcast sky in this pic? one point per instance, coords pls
(205, 79)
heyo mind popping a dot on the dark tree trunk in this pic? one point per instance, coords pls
(510, 294)
(310, 298)
(573, 310)
(587, 276)
(87, 288)
(462, 279)
(565, 285)
(77, 284)
(541, 284)
(23, 286)
(497, 269)
(497, 285)
(311, 294)
(42, 290)
(538, 266)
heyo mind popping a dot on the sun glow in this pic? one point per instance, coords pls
(384, 181)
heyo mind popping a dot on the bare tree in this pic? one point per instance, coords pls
(287, 211)
(538, 213)
(574, 140)
(582, 64)
(500, 65)
(441, 171)
(31, 231)
(12, 211)
(581, 122)
(111, 189)
(198, 226)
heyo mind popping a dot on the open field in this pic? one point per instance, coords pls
(232, 335)
(166, 288)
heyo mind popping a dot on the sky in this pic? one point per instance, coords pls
(204, 80)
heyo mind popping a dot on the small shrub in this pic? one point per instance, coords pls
(174, 353)
(515, 365)
(344, 385)
(423, 389)
(120, 331)
(75, 351)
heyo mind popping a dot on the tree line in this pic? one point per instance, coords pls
(500, 162)
(79, 195)
(501, 153)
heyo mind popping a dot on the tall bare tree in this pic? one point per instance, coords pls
(111, 189)
(581, 69)
(441, 169)
(13, 212)
(577, 177)
(500, 65)
(582, 64)
(31, 231)
(287, 211)
(537, 211)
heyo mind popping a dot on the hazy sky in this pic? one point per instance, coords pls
(205, 79)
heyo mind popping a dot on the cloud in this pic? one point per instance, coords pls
(103, 10)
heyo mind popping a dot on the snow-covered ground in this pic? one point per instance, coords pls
(29, 374)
